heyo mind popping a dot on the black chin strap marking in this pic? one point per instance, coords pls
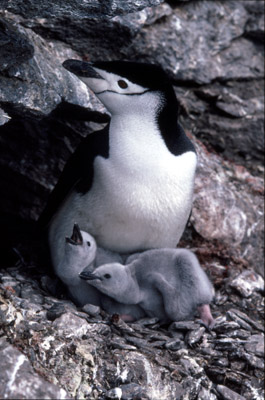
(123, 94)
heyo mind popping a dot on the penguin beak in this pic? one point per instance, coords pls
(76, 237)
(82, 69)
(87, 73)
(89, 276)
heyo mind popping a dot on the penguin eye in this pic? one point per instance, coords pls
(89, 244)
(122, 84)
(107, 276)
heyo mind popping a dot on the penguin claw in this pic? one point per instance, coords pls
(206, 325)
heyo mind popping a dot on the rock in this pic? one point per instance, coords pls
(139, 343)
(11, 284)
(70, 325)
(183, 326)
(232, 103)
(174, 344)
(127, 392)
(105, 38)
(226, 343)
(148, 321)
(199, 27)
(219, 200)
(148, 375)
(118, 343)
(221, 362)
(93, 360)
(253, 361)
(191, 366)
(239, 334)
(18, 379)
(216, 374)
(55, 311)
(255, 26)
(226, 326)
(115, 393)
(248, 282)
(31, 295)
(15, 46)
(76, 9)
(4, 117)
(191, 388)
(228, 394)
(239, 320)
(195, 336)
(205, 394)
(38, 83)
(240, 316)
(91, 310)
(255, 345)
(238, 365)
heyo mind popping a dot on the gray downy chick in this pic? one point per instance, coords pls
(81, 252)
(166, 283)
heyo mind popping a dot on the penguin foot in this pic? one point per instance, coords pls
(127, 318)
(207, 319)
(124, 317)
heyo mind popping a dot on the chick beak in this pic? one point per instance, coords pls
(76, 237)
(89, 276)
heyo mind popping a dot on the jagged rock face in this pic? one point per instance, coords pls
(76, 9)
(214, 53)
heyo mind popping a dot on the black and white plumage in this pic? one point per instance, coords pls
(81, 252)
(166, 283)
(131, 184)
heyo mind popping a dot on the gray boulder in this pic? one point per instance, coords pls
(18, 379)
(75, 9)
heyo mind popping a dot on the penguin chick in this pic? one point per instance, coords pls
(167, 283)
(81, 252)
(131, 184)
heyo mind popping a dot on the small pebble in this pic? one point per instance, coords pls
(91, 310)
(183, 326)
(228, 394)
(174, 344)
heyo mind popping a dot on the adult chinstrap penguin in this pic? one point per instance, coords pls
(81, 252)
(131, 184)
(166, 283)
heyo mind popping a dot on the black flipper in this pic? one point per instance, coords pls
(78, 172)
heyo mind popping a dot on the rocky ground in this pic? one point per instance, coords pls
(50, 349)
(214, 53)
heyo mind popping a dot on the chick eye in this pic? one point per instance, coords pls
(122, 84)
(88, 243)
(107, 276)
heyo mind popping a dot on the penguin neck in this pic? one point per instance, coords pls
(135, 136)
(133, 294)
(172, 132)
(69, 269)
(149, 131)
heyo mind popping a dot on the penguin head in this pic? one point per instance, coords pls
(112, 279)
(125, 87)
(80, 248)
